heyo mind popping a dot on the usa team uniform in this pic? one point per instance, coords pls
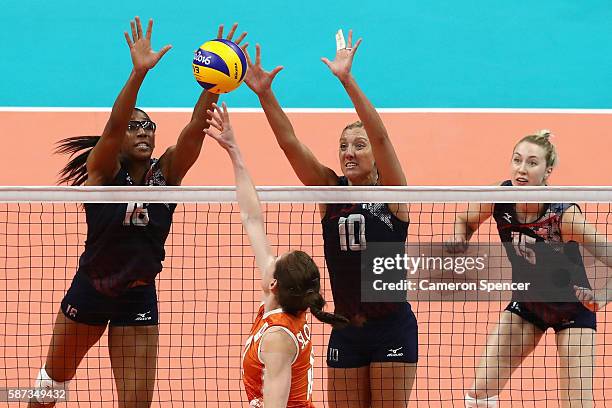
(125, 244)
(390, 332)
(302, 374)
(539, 255)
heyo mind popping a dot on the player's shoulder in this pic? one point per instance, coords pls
(562, 208)
(280, 318)
(278, 339)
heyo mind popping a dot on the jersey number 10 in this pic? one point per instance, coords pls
(352, 232)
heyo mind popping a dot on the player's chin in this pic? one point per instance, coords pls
(141, 154)
(354, 175)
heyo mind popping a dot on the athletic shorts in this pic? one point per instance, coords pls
(390, 339)
(135, 307)
(583, 319)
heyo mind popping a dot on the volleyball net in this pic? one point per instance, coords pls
(209, 289)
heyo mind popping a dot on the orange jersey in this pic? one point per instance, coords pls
(302, 371)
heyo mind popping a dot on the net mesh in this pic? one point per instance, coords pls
(209, 293)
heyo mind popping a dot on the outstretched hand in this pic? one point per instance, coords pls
(143, 56)
(219, 119)
(230, 35)
(345, 52)
(257, 78)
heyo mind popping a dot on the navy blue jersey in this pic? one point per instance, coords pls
(125, 242)
(347, 228)
(539, 255)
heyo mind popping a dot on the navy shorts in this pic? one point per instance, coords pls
(583, 318)
(135, 307)
(393, 338)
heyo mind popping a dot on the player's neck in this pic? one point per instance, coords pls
(370, 180)
(270, 302)
(137, 171)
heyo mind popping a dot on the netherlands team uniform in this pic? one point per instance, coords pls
(390, 332)
(537, 250)
(302, 373)
(125, 244)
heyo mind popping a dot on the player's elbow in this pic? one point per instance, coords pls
(250, 219)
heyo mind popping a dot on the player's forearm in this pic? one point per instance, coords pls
(250, 208)
(125, 103)
(602, 251)
(372, 122)
(461, 228)
(278, 120)
(204, 103)
(189, 143)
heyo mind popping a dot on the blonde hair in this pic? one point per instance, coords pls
(355, 125)
(542, 138)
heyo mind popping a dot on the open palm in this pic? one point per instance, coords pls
(143, 56)
(219, 120)
(343, 62)
(258, 79)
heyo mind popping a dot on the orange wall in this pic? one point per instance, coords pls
(435, 148)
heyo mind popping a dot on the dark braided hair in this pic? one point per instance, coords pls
(299, 288)
(79, 147)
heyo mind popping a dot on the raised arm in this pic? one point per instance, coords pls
(178, 159)
(250, 208)
(306, 166)
(103, 161)
(390, 171)
(574, 227)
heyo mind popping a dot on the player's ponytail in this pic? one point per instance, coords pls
(78, 147)
(316, 303)
(542, 139)
(299, 287)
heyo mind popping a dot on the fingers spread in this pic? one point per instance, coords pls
(134, 34)
(248, 57)
(149, 29)
(257, 54)
(276, 71)
(128, 39)
(213, 121)
(241, 37)
(164, 50)
(138, 27)
(230, 35)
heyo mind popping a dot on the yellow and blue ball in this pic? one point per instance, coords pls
(219, 66)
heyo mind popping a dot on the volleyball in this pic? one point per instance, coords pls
(219, 66)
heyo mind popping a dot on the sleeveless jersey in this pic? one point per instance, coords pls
(302, 370)
(538, 255)
(347, 230)
(125, 242)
